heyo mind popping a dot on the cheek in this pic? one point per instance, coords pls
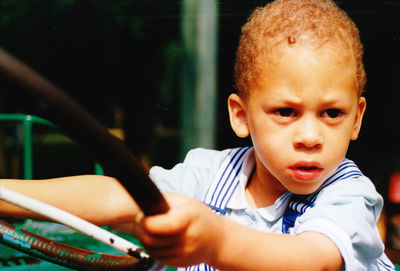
(341, 147)
(271, 147)
(269, 137)
(342, 135)
(335, 146)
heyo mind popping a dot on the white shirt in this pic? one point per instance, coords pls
(346, 211)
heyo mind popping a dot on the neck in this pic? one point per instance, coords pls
(263, 189)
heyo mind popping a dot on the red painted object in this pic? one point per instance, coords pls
(394, 188)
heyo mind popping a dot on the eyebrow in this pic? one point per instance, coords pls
(291, 100)
(288, 99)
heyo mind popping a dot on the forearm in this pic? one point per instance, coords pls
(190, 233)
(241, 248)
(98, 199)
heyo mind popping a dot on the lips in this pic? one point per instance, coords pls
(306, 171)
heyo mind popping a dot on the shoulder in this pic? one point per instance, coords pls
(200, 157)
(351, 191)
(194, 175)
(347, 211)
(348, 182)
(350, 194)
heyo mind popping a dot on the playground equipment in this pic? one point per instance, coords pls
(79, 125)
(53, 251)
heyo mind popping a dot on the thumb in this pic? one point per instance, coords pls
(174, 221)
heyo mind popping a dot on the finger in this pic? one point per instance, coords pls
(159, 242)
(137, 229)
(175, 256)
(173, 222)
(167, 257)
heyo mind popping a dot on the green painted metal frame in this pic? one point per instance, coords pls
(27, 121)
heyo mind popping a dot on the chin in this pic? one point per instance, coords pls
(303, 190)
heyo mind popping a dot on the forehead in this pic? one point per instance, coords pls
(302, 68)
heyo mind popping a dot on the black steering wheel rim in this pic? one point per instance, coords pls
(82, 127)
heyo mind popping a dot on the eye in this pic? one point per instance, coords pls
(332, 113)
(285, 112)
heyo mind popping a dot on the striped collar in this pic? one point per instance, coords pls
(238, 199)
(228, 187)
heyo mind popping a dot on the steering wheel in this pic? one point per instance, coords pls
(111, 153)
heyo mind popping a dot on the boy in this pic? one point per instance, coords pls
(299, 76)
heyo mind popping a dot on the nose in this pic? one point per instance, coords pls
(308, 133)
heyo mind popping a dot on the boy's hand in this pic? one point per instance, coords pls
(188, 234)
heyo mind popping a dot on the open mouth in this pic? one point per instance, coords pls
(306, 172)
(307, 168)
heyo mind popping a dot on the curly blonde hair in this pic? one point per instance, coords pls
(314, 23)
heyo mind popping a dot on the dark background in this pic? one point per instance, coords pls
(122, 58)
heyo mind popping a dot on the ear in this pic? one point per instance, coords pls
(238, 115)
(362, 105)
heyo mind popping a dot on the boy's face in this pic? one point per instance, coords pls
(301, 118)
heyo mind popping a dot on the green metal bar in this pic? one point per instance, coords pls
(28, 152)
(22, 117)
(27, 122)
(98, 170)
